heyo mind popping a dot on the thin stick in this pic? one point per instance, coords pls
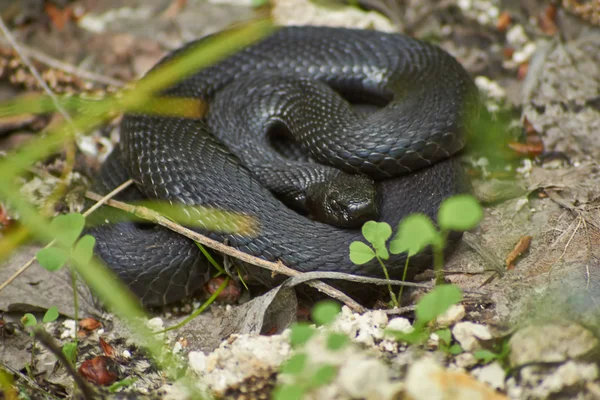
(48, 342)
(68, 68)
(98, 204)
(35, 73)
(278, 267)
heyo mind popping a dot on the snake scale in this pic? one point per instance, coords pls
(281, 111)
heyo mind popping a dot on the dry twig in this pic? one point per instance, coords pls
(278, 267)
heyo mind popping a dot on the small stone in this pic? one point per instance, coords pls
(493, 374)
(400, 324)
(156, 324)
(568, 375)
(197, 361)
(70, 329)
(427, 380)
(177, 347)
(454, 314)
(551, 343)
(465, 360)
(468, 334)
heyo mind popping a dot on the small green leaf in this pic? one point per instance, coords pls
(323, 375)
(84, 249)
(336, 341)
(51, 315)
(295, 364)
(445, 336)
(28, 320)
(289, 392)
(360, 253)
(459, 213)
(437, 302)
(485, 356)
(300, 334)
(121, 384)
(325, 312)
(415, 232)
(70, 351)
(377, 233)
(455, 349)
(416, 336)
(52, 258)
(67, 228)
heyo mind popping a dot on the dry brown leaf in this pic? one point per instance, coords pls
(107, 348)
(89, 324)
(521, 247)
(59, 17)
(100, 370)
(503, 21)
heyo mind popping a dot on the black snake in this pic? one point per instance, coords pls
(277, 108)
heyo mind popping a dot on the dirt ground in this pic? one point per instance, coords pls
(537, 62)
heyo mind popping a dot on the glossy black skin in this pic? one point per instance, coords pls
(226, 160)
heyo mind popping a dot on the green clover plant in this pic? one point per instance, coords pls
(415, 233)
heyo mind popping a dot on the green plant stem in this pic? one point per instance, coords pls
(392, 294)
(403, 278)
(438, 257)
(76, 308)
(200, 309)
(32, 359)
(210, 259)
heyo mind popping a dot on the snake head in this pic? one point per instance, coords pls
(345, 201)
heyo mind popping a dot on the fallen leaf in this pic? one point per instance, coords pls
(107, 348)
(230, 294)
(100, 370)
(183, 342)
(508, 52)
(89, 324)
(522, 71)
(521, 247)
(503, 21)
(547, 20)
(527, 149)
(58, 17)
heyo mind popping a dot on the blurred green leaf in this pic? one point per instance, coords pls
(51, 315)
(52, 258)
(84, 249)
(29, 320)
(459, 213)
(445, 336)
(67, 228)
(415, 232)
(289, 392)
(437, 302)
(323, 375)
(70, 351)
(485, 356)
(336, 341)
(295, 364)
(121, 384)
(325, 312)
(300, 334)
(455, 349)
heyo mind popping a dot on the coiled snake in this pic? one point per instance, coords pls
(277, 108)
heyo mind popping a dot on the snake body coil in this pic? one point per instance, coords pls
(290, 83)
